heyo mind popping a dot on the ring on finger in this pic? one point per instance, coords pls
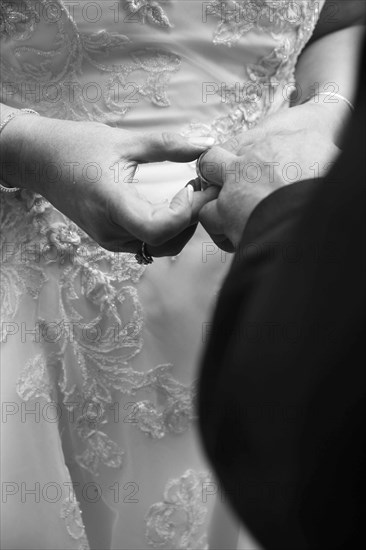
(199, 172)
(142, 257)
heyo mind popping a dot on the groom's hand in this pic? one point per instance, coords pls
(253, 165)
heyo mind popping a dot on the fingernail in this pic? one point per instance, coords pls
(196, 184)
(190, 192)
(201, 141)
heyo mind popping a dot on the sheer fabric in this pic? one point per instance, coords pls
(100, 356)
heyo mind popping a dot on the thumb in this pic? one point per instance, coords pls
(215, 226)
(189, 200)
(183, 210)
(169, 146)
(201, 198)
(168, 221)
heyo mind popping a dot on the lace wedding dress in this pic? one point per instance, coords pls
(100, 356)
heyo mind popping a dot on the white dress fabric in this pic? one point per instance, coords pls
(100, 356)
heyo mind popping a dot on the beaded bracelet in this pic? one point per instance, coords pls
(5, 188)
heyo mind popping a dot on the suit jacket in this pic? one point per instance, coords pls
(282, 389)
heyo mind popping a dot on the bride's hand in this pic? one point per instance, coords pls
(86, 171)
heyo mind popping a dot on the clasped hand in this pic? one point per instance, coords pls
(285, 148)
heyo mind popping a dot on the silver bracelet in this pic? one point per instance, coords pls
(4, 188)
(339, 96)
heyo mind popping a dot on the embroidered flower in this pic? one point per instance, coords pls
(175, 522)
(178, 416)
(35, 203)
(62, 236)
(70, 512)
(17, 20)
(147, 11)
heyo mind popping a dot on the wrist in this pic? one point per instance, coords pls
(14, 133)
(20, 150)
(328, 115)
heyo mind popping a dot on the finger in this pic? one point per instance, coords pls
(156, 223)
(200, 198)
(242, 141)
(211, 219)
(168, 146)
(144, 221)
(217, 164)
(214, 225)
(173, 246)
(222, 242)
(122, 245)
(166, 221)
(196, 184)
(183, 211)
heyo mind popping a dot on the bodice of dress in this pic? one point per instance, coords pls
(214, 67)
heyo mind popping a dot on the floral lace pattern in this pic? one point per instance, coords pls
(57, 88)
(148, 12)
(175, 522)
(71, 514)
(18, 20)
(291, 24)
(238, 17)
(34, 380)
(177, 412)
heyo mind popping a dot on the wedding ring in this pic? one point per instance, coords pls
(142, 257)
(198, 170)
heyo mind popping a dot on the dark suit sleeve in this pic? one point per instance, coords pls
(282, 388)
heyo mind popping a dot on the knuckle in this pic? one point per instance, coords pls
(232, 144)
(155, 235)
(208, 157)
(209, 166)
(168, 140)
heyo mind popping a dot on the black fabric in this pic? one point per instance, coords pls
(282, 388)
